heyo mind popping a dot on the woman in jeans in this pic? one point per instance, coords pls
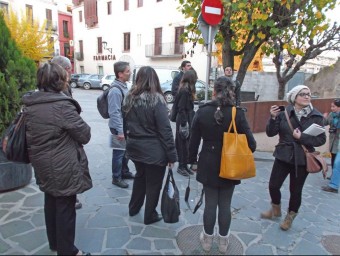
(210, 122)
(55, 135)
(333, 120)
(290, 158)
(149, 142)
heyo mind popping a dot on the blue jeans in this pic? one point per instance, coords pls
(117, 163)
(334, 183)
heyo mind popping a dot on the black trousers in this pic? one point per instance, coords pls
(280, 171)
(60, 219)
(182, 148)
(146, 185)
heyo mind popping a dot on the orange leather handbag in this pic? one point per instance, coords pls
(237, 160)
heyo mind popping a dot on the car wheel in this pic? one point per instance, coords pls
(73, 85)
(87, 86)
(168, 97)
(105, 87)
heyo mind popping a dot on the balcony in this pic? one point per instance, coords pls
(79, 56)
(50, 24)
(165, 50)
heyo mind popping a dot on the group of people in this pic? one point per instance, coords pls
(141, 132)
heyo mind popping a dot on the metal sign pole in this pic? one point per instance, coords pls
(209, 48)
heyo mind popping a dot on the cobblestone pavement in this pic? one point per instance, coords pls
(104, 227)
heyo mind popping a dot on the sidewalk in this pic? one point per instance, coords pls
(104, 227)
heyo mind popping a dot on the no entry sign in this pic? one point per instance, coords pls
(212, 11)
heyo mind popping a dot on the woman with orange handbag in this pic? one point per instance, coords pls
(210, 122)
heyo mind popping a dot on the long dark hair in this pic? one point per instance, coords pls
(188, 82)
(224, 89)
(147, 81)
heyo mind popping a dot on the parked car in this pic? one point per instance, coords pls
(90, 81)
(200, 91)
(164, 74)
(106, 81)
(74, 79)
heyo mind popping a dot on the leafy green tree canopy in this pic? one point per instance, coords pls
(17, 76)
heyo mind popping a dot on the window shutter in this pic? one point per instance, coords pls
(90, 12)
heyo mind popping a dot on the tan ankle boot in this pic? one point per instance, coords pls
(206, 240)
(287, 223)
(273, 212)
(223, 242)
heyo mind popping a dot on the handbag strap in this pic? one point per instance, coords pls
(232, 123)
(291, 127)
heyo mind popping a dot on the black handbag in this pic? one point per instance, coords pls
(170, 200)
(14, 140)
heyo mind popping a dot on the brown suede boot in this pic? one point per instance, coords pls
(272, 213)
(287, 223)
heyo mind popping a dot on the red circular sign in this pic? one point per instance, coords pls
(212, 11)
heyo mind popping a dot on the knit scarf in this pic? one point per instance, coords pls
(303, 112)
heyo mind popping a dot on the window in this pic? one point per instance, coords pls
(178, 41)
(140, 3)
(90, 13)
(81, 50)
(126, 5)
(67, 50)
(4, 7)
(100, 71)
(109, 8)
(158, 41)
(82, 69)
(80, 16)
(126, 42)
(99, 45)
(29, 13)
(48, 18)
(52, 43)
(65, 29)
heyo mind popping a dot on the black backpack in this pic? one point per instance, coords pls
(102, 103)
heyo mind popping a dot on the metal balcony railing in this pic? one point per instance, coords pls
(164, 50)
(51, 24)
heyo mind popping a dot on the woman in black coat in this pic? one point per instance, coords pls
(149, 142)
(210, 122)
(184, 103)
(290, 158)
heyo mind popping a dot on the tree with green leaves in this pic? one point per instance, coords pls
(17, 76)
(248, 26)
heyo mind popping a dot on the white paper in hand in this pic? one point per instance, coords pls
(314, 130)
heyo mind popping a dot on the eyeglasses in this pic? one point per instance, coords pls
(302, 94)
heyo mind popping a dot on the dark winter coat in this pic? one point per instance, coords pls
(175, 83)
(288, 149)
(185, 107)
(149, 137)
(55, 135)
(209, 158)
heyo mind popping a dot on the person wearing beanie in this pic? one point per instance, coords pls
(290, 158)
(333, 120)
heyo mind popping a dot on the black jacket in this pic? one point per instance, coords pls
(185, 107)
(149, 137)
(205, 127)
(175, 83)
(288, 149)
(55, 135)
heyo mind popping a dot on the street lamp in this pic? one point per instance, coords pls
(104, 43)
